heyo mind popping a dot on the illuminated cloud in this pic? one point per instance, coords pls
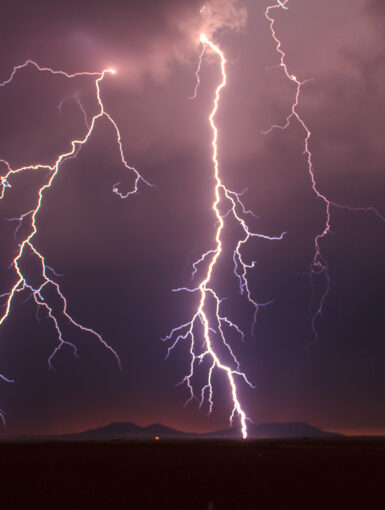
(223, 15)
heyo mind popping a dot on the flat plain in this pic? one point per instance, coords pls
(196, 474)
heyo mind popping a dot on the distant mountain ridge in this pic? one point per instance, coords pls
(128, 430)
(277, 431)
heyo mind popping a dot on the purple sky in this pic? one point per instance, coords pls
(122, 258)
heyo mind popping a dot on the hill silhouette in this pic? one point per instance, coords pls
(115, 431)
(276, 431)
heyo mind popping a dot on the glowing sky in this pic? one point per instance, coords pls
(120, 259)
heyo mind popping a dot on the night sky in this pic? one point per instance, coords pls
(119, 259)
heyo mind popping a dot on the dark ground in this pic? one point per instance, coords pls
(215, 475)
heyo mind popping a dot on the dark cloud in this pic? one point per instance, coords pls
(376, 7)
(141, 39)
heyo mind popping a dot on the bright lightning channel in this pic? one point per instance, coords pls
(26, 246)
(318, 265)
(213, 329)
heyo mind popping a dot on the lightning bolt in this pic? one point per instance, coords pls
(208, 318)
(2, 413)
(81, 107)
(319, 265)
(197, 72)
(26, 245)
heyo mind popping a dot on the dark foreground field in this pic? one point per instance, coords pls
(327, 474)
